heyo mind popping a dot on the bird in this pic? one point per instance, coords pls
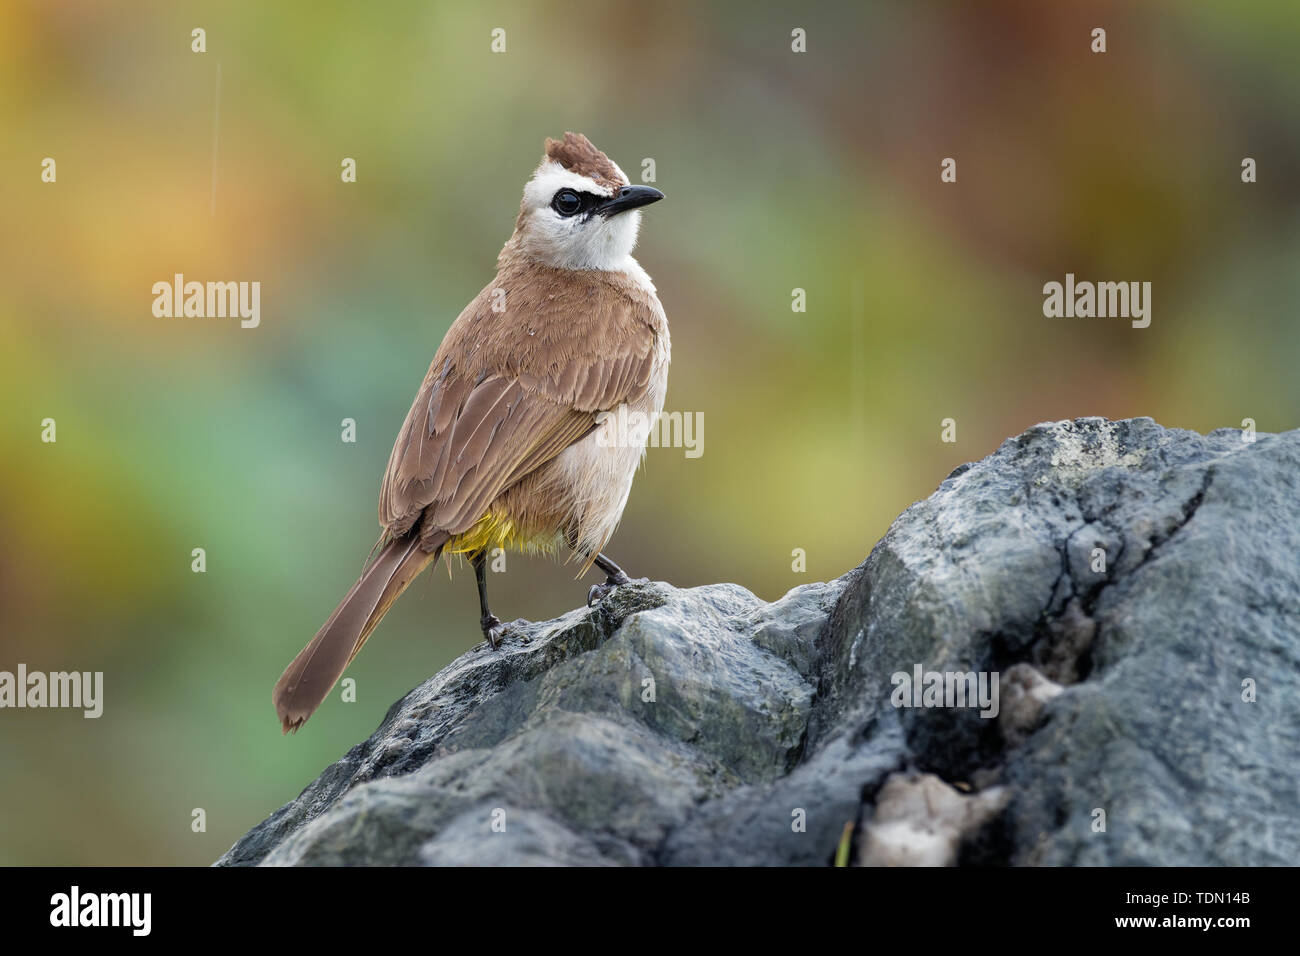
(512, 440)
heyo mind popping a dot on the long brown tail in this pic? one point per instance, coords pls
(319, 665)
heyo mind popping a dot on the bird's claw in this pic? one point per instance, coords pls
(493, 630)
(599, 592)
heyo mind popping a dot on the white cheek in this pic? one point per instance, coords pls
(577, 244)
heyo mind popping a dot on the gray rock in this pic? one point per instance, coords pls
(1132, 583)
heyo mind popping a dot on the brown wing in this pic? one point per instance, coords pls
(507, 392)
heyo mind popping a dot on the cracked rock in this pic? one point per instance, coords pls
(771, 731)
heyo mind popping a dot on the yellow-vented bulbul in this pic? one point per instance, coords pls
(508, 442)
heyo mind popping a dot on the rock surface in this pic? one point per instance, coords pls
(1136, 589)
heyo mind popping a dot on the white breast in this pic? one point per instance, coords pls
(599, 469)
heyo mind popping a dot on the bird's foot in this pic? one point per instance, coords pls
(493, 629)
(599, 592)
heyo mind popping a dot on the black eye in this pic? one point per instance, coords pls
(566, 202)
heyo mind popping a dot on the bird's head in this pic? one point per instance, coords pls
(578, 210)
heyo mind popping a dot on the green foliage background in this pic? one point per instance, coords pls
(818, 171)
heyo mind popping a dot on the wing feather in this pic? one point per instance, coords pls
(489, 413)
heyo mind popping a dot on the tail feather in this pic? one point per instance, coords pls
(314, 672)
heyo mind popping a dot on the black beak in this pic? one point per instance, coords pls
(629, 197)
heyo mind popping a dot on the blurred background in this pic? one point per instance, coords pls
(817, 171)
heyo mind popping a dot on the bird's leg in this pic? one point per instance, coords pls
(614, 576)
(492, 627)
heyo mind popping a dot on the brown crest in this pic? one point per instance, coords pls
(576, 154)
